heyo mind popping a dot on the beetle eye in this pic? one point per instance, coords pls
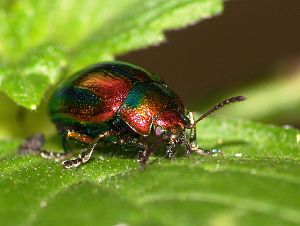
(158, 131)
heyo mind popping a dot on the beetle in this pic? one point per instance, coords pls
(120, 103)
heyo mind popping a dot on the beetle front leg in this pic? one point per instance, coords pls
(169, 154)
(85, 155)
(193, 141)
(193, 138)
(169, 151)
(193, 133)
(143, 156)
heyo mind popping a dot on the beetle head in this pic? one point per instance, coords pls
(170, 126)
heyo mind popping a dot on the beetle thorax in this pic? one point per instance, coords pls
(170, 126)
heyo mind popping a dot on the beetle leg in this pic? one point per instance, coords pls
(141, 145)
(143, 156)
(68, 135)
(214, 152)
(73, 135)
(188, 148)
(65, 143)
(56, 156)
(33, 145)
(169, 152)
(193, 141)
(85, 155)
(193, 134)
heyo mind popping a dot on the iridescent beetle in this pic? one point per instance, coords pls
(119, 103)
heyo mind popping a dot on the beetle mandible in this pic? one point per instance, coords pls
(120, 103)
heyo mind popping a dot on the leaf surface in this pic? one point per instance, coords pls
(255, 182)
(41, 41)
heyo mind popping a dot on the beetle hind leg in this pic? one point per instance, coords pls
(86, 154)
(67, 135)
(83, 157)
(193, 134)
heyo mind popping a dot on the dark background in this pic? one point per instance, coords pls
(225, 52)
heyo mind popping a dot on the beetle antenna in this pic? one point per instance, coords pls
(218, 106)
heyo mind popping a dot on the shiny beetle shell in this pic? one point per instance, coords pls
(99, 97)
(119, 103)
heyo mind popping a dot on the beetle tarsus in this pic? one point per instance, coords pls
(56, 156)
(143, 156)
(142, 159)
(72, 163)
(169, 154)
(85, 155)
(214, 152)
(82, 158)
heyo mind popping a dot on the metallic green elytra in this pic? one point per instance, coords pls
(121, 103)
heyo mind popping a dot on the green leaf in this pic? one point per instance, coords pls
(26, 84)
(255, 182)
(42, 40)
(142, 27)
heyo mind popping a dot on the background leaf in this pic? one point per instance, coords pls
(39, 40)
(27, 83)
(240, 188)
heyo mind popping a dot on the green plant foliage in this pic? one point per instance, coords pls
(255, 182)
(39, 40)
(27, 82)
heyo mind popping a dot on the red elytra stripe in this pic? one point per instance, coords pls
(111, 90)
